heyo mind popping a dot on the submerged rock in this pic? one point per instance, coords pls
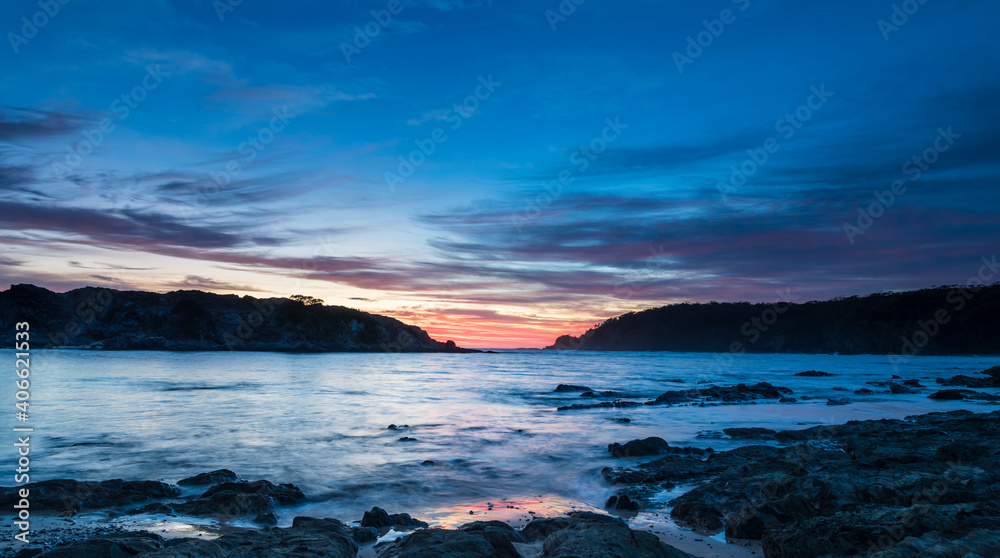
(756, 433)
(220, 475)
(569, 388)
(814, 374)
(640, 448)
(991, 380)
(960, 394)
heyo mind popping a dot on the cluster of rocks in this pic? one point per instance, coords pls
(739, 394)
(228, 496)
(580, 534)
(927, 486)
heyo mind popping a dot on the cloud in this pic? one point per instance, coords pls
(126, 228)
(24, 124)
(180, 62)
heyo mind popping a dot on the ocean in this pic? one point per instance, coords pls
(484, 430)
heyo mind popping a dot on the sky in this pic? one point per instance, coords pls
(500, 173)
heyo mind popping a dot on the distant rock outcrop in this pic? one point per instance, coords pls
(937, 321)
(107, 319)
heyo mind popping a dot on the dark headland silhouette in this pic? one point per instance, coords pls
(108, 319)
(952, 320)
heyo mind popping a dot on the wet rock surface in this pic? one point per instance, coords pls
(990, 379)
(580, 535)
(716, 395)
(924, 486)
(380, 518)
(229, 499)
(64, 495)
(307, 537)
(221, 475)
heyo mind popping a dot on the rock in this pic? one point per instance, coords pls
(215, 477)
(589, 535)
(407, 439)
(960, 394)
(568, 388)
(268, 519)
(603, 405)
(109, 546)
(744, 433)
(913, 383)
(614, 394)
(447, 543)
(992, 379)
(788, 400)
(623, 420)
(64, 495)
(838, 401)
(640, 448)
(949, 394)
(899, 389)
(740, 393)
(701, 517)
(233, 499)
(906, 485)
(814, 374)
(675, 397)
(380, 518)
(622, 503)
(863, 391)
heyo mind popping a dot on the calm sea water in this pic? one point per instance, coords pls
(487, 421)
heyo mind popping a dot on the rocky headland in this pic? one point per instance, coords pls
(108, 319)
(957, 320)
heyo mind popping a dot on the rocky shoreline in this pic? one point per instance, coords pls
(924, 486)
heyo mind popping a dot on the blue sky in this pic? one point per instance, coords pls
(499, 172)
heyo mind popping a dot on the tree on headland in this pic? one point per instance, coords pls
(307, 300)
